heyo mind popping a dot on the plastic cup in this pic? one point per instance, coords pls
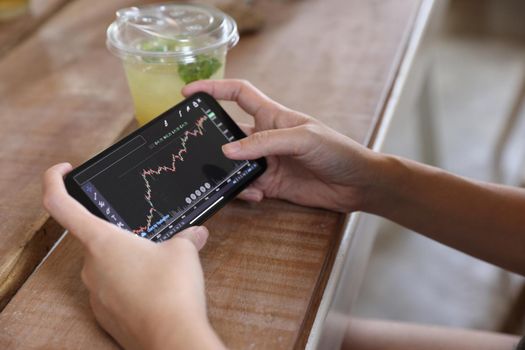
(10, 9)
(166, 46)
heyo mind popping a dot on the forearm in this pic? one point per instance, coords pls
(378, 335)
(185, 334)
(481, 219)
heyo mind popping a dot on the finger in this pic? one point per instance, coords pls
(291, 142)
(251, 194)
(64, 208)
(246, 128)
(249, 98)
(198, 235)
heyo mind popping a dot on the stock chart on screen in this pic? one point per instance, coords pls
(166, 177)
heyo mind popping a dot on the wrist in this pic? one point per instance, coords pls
(189, 333)
(386, 183)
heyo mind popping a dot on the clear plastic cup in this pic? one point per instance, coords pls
(166, 46)
(10, 9)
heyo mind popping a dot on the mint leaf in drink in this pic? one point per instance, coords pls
(203, 68)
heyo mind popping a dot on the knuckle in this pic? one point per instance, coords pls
(244, 87)
(48, 201)
(287, 118)
(283, 116)
(307, 118)
(272, 110)
(311, 129)
(308, 136)
(280, 110)
(245, 83)
(48, 173)
(84, 276)
(260, 137)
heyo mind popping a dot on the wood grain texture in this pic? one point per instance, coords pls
(265, 264)
(262, 266)
(12, 32)
(260, 269)
(51, 110)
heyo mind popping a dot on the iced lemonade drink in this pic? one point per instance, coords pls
(9, 9)
(156, 88)
(166, 46)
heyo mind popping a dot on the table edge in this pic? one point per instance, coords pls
(375, 141)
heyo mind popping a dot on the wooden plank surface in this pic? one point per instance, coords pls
(13, 31)
(54, 95)
(265, 264)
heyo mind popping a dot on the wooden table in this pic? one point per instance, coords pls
(64, 97)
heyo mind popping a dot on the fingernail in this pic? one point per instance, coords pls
(200, 229)
(253, 194)
(250, 191)
(232, 147)
(202, 234)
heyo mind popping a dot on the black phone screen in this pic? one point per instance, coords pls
(168, 175)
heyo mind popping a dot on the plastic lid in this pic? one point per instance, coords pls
(170, 30)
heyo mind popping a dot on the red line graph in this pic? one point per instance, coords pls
(177, 156)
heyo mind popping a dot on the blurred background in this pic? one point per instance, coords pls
(465, 114)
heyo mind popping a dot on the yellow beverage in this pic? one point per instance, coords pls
(12, 8)
(157, 87)
(166, 46)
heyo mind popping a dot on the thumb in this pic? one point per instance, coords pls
(66, 210)
(294, 141)
(198, 235)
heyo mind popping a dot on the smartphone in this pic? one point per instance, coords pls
(167, 175)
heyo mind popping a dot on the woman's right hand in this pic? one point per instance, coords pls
(308, 163)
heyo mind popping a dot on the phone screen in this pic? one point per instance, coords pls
(169, 174)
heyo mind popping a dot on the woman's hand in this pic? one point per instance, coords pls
(146, 295)
(308, 163)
